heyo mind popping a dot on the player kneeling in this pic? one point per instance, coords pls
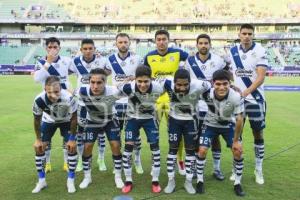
(54, 108)
(99, 100)
(224, 117)
(143, 94)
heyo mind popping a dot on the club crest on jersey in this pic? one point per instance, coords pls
(203, 67)
(172, 59)
(243, 73)
(55, 65)
(253, 54)
(123, 63)
(244, 56)
(131, 61)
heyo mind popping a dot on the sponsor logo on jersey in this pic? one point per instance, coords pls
(162, 74)
(85, 79)
(243, 73)
(120, 77)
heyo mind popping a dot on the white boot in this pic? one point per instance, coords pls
(170, 187)
(71, 185)
(86, 180)
(119, 182)
(41, 184)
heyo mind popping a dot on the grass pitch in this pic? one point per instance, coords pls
(18, 174)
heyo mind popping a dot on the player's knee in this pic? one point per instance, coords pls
(115, 147)
(154, 146)
(202, 152)
(88, 148)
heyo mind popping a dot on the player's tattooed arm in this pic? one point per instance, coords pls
(71, 144)
(37, 126)
(73, 125)
(38, 144)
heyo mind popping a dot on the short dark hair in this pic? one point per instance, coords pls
(52, 40)
(87, 41)
(247, 26)
(182, 74)
(221, 75)
(97, 71)
(122, 35)
(143, 70)
(162, 32)
(50, 80)
(203, 36)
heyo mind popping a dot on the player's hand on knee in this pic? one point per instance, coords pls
(237, 148)
(71, 146)
(38, 146)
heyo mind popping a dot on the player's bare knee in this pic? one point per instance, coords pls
(88, 148)
(202, 152)
(115, 147)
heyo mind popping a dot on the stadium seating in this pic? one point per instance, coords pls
(160, 10)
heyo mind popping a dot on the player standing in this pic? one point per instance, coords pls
(249, 64)
(53, 64)
(122, 66)
(164, 62)
(202, 66)
(82, 65)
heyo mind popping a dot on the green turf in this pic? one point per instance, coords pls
(275, 80)
(18, 175)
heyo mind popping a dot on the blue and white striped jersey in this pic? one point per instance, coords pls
(244, 64)
(58, 112)
(58, 68)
